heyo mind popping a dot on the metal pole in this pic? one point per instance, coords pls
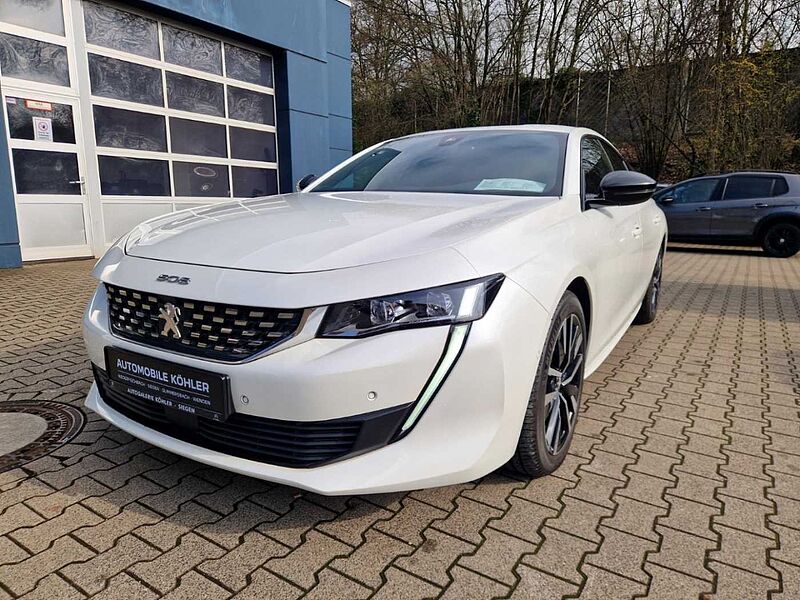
(608, 101)
(578, 100)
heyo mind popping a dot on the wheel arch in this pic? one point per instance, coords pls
(768, 220)
(580, 287)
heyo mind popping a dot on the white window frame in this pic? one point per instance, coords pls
(79, 90)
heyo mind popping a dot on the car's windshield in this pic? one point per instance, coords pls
(520, 163)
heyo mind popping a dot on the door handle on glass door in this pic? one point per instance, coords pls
(77, 182)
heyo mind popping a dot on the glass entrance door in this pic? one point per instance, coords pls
(48, 171)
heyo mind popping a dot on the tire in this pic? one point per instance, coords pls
(649, 308)
(539, 453)
(781, 239)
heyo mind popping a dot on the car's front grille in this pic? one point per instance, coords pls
(296, 444)
(220, 331)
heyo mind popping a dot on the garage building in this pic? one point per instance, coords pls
(117, 112)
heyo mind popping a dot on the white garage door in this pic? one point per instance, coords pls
(115, 116)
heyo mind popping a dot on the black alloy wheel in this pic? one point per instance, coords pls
(782, 240)
(555, 398)
(649, 308)
(563, 384)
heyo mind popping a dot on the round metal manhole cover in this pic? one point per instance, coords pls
(30, 430)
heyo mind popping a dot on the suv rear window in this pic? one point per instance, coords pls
(781, 187)
(740, 188)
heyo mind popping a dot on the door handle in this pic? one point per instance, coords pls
(760, 205)
(637, 231)
(76, 182)
(704, 209)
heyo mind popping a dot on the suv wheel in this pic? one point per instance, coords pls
(555, 398)
(781, 240)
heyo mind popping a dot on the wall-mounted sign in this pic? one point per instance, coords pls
(43, 129)
(38, 105)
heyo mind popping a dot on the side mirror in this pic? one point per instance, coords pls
(624, 188)
(305, 182)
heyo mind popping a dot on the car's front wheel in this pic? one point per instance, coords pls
(555, 398)
(781, 240)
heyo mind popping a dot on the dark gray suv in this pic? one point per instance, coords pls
(738, 208)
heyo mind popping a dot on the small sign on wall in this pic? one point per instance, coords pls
(43, 129)
(38, 105)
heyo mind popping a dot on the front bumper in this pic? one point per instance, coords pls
(470, 427)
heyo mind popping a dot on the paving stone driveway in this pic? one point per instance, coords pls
(683, 478)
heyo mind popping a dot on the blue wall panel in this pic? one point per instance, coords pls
(341, 134)
(341, 102)
(308, 132)
(338, 29)
(307, 84)
(9, 238)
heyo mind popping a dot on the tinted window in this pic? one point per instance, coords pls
(248, 66)
(249, 182)
(44, 15)
(781, 187)
(120, 128)
(201, 179)
(251, 144)
(38, 172)
(33, 60)
(253, 107)
(195, 137)
(468, 162)
(594, 164)
(191, 50)
(133, 176)
(121, 30)
(125, 80)
(21, 113)
(741, 188)
(195, 95)
(616, 159)
(699, 190)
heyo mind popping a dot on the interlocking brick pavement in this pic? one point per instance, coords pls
(683, 478)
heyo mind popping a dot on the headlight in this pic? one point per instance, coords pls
(446, 305)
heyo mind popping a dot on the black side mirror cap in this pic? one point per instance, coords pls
(305, 182)
(624, 188)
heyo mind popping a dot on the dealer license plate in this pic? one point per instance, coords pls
(174, 386)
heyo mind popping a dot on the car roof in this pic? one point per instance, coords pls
(733, 173)
(534, 127)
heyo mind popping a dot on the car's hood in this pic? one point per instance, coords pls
(307, 232)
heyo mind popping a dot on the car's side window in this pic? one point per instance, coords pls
(780, 187)
(743, 188)
(616, 158)
(701, 190)
(595, 165)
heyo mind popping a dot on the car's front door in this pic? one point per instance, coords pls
(616, 242)
(688, 207)
(744, 202)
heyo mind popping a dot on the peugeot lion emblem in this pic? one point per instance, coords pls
(170, 313)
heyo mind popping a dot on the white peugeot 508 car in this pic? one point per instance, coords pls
(420, 315)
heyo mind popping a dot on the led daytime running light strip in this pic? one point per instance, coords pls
(455, 343)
